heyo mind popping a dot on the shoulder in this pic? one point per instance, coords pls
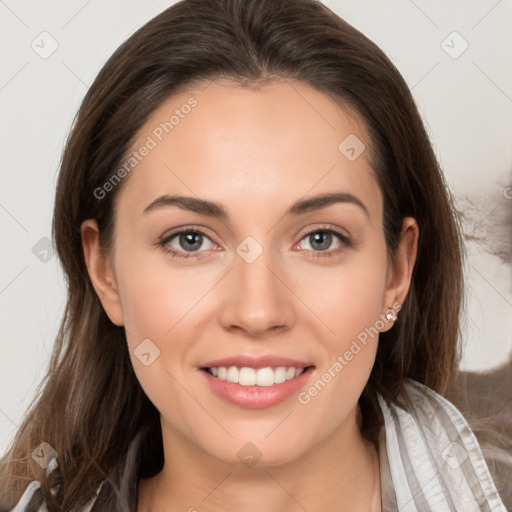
(25, 503)
(434, 458)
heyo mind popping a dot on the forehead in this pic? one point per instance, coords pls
(278, 142)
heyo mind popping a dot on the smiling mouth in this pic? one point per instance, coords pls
(263, 377)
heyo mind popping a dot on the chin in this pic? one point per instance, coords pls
(257, 454)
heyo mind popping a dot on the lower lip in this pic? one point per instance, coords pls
(257, 397)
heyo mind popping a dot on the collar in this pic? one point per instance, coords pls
(430, 459)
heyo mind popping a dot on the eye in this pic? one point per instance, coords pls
(187, 240)
(320, 240)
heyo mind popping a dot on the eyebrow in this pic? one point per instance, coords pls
(216, 210)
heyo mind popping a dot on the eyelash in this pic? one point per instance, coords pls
(163, 241)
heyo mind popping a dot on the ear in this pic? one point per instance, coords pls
(399, 272)
(101, 272)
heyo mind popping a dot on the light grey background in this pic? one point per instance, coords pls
(466, 101)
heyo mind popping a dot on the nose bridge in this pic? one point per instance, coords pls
(259, 300)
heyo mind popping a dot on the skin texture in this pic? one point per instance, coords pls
(256, 152)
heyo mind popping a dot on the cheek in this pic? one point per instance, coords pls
(158, 310)
(161, 307)
(359, 301)
(348, 300)
(347, 296)
(349, 354)
(156, 297)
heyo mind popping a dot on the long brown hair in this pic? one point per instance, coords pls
(90, 407)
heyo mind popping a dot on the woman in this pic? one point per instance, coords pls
(211, 355)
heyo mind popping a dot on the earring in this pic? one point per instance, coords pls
(390, 314)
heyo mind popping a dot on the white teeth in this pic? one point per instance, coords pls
(232, 374)
(246, 376)
(264, 376)
(280, 375)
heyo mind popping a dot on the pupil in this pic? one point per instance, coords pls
(323, 238)
(187, 240)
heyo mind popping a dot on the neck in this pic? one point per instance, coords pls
(341, 473)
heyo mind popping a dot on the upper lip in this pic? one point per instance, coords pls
(256, 362)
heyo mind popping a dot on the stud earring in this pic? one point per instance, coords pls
(390, 314)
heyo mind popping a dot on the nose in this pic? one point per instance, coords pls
(257, 299)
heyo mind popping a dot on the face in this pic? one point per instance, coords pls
(258, 271)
